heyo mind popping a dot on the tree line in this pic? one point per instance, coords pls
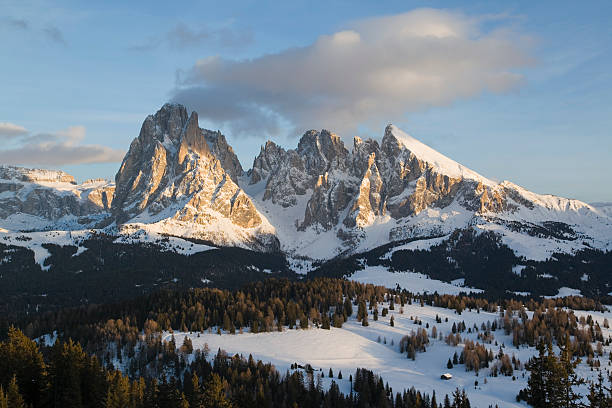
(63, 375)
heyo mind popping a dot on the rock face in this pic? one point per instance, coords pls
(370, 181)
(392, 190)
(48, 198)
(183, 180)
(316, 201)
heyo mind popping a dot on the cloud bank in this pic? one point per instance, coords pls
(52, 149)
(10, 130)
(374, 72)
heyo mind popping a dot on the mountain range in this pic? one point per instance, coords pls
(318, 201)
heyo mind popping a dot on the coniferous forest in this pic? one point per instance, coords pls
(109, 271)
(75, 358)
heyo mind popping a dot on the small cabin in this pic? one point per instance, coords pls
(446, 376)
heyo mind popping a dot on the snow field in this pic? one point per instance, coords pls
(352, 346)
(415, 282)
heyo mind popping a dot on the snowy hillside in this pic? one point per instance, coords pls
(376, 347)
(605, 208)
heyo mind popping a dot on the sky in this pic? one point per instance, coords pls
(515, 90)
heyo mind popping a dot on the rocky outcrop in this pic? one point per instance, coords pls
(370, 181)
(183, 178)
(389, 183)
(50, 196)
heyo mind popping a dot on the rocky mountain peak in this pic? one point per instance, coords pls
(177, 176)
(192, 140)
(320, 148)
(390, 144)
(224, 153)
(269, 157)
(35, 175)
(319, 199)
(170, 120)
(40, 199)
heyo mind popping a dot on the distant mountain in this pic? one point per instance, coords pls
(47, 199)
(605, 208)
(315, 202)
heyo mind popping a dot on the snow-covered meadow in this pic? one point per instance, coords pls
(376, 347)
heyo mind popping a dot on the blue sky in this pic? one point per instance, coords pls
(524, 93)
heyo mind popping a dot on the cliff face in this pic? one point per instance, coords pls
(316, 201)
(394, 189)
(33, 199)
(370, 181)
(182, 178)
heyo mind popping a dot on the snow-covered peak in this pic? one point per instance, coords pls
(604, 208)
(35, 175)
(438, 162)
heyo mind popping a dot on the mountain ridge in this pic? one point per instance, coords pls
(317, 201)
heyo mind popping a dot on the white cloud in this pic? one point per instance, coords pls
(10, 130)
(56, 149)
(374, 72)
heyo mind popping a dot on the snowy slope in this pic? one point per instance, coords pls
(352, 346)
(412, 281)
(604, 208)
(440, 163)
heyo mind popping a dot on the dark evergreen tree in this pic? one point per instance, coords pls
(214, 394)
(20, 357)
(13, 396)
(567, 377)
(598, 397)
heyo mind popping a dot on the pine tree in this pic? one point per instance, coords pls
(65, 370)
(325, 324)
(460, 399)
(568, 379)
(447, 403)
(303, 322)
(118, 395)
(21, 357)
(93, 384)
(151, 396)
(392, 322)
(331, 373)
(193, 391)
(597, 396)
(535, 393)
(214, 394)
(362, 311)
(449, 364)
(348, 307)
(3, 399)
(13, 397)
